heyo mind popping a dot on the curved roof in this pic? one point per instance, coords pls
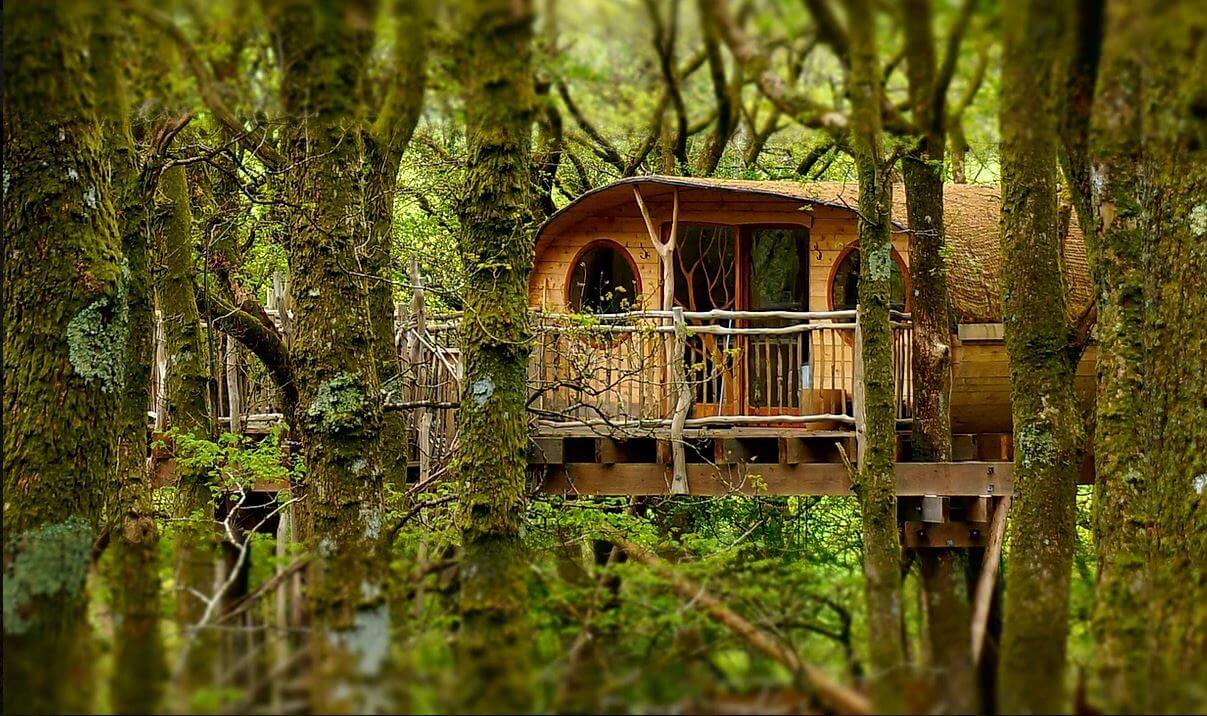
(971, 214)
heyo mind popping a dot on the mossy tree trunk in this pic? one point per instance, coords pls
(386, 142)
(187, 405)
(1176, 376)
(323, 50)
(1047, 425)
(875, 481)
(947, 616)
(139, 667)
(187, 389)
(65, 338)
(1111, 140)
(496, 247)
(922, 170)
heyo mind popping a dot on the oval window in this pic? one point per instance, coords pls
(844, 287)
(603, 281)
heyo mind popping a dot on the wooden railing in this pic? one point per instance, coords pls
(635, 372)
(629, 371)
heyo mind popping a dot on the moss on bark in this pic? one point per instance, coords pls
(946, 603)
(496, 247)
(1116, 255)
(62, 260)
(324, 53)
(139, 668)
(875, 482)
(1175, 374)
(1047, 426)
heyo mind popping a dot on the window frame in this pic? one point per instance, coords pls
(842, 256)
(568, 284)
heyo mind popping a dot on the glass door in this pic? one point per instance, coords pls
(777, 280)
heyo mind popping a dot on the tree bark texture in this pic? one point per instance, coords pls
(496, 247)
(1047, 426)
(139, 668)
(1116, 252)
(1175, 372)
(947, 605)
(386, 142)
(323, 53)
(65, 339)
(875, 482)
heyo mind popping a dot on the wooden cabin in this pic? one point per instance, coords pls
(701, 336)
(772, 255)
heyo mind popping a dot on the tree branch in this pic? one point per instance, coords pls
(266, 344)
(834, 695)
(255, 140)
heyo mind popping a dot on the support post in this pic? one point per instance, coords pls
(233, 393)
(280, 291)
(422, 415)
(682, 405)
(984, 587)
(160, 378)
(857, 399)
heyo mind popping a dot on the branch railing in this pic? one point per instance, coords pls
(637, 372)
(630, 371)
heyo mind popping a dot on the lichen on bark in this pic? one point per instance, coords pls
(496, 247)
(323, 54)
(1047, 424)
(875, 481)
(47, 561)
(133, 570)
(63, 255)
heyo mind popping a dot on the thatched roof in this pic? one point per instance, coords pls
(971, 212)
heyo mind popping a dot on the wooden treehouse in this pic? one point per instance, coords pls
(700, 336)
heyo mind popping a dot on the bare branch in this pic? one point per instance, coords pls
(254, 140)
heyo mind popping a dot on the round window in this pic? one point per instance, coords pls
(602, 281)
(844, 286)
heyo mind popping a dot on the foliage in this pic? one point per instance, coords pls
(232, 461)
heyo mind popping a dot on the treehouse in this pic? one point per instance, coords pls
(701, 336)
(764, 276)
(692, 334)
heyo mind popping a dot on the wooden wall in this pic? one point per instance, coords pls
(830, 231)
(981, 380)
(980, 391)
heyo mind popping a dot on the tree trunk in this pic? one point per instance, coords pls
(875, 482)
(139, 667)
(187, 388)
(947, 605)
(323, 53)
(391, 133)
(1120, 619)
(65, 337)
(496, 247)
(1175, 376)
(1047, 426)
(187, 405)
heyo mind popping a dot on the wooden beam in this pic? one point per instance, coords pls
(913, 479)
(732, 451)
(984, 587)
(546, 451)
(963, 447)
(923, 535)
(978, 509)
